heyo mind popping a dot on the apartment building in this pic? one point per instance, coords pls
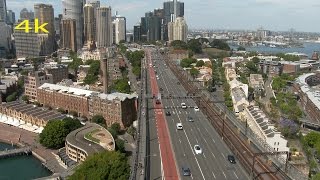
(35, 80)
(115, 107)
(58, 72)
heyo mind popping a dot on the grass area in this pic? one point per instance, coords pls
(89, 136)
(216, 53)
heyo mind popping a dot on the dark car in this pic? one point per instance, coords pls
(168, 113)
(158, 101)
(186, 171)
(231, 159)
(161, 89)
(190, 118)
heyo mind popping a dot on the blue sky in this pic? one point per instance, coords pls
(302, 15)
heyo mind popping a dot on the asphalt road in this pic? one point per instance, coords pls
(212, 163)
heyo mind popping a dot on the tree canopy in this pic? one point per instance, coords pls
(195, 46)
(288, 57)
(122, 86)
(107, 165)
(93, 72)
(194, 72)
(200, 63)
(12, 97)
(177, 44)
(54, 133)
(220, 44)
(241, 48)
(185, 63)
(99, 119)
(135, 60)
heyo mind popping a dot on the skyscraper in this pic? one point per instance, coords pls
(104, 27)
(11, 17)
(68, 34)
(44, 12)
(25, 14)
(119, 28)
(137, 33)
(89, 20)
(172, 10)
(73, 9)
(3, 11)
(95, 5)
(57, 24)
(180, 29)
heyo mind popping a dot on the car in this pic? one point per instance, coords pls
(179, 126)
(186, 171)
(196, 108)
(161, 89)
(231, 159)
(158, 101)
(168, 113)
(170, 95)
(190, 119)
(183, 106)
(197, 149)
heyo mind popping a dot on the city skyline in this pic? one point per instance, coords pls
(269, 14)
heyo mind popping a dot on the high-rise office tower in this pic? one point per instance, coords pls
(73, 9)
(119, 29)
(89, 21)
(180, 29)
(95, 5)
(25, 14)
(104, 27)
(11, 17)
(57, 24)
(30, 44)
(5, 33)
(3, 11)
(170, 31)
(172, 10)
(68, 34)
(137, 33)
(44, 12)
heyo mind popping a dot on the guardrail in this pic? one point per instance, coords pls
(292, 171)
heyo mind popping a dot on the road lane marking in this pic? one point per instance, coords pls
(213, 175)
(180, 140)
(205, 140)
(191, 176)
(224, 174)
(199, 129)
(235, 174)
(213, 141)
(204, 155)
(197, 141)
(223, 155)
(213, 155)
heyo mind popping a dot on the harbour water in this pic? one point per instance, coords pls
(20, 167)
(308, 49)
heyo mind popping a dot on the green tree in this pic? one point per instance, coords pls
(200, 63)
(108, 165)
(194, 72)
(25, 98)
(121, 85)
(316, 177)
(187, 62)
(12, 97)
(241, 48)
(120, 145)
(116, 127)
(54, 134)
(99, 119)
(177, 44)
(195, 46)
(93, 72)
(131, 130)
(312, 138)
(220, 44)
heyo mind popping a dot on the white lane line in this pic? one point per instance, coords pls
(191, 176)
(199, 129)
(207, 130)
(213, 175)
(235, 174)
(197, 141)
(191, 129)
(180, 140)
(213, 155)
(213, 141)
(223, 155)
(204, 155)
(224, 174)
(205, 140)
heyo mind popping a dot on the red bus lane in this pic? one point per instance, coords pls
(167, 156)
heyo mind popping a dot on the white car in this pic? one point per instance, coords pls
(179, 126)
(183, 106)
(196, 108)
(197, 149)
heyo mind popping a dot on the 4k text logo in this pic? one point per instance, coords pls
(24, 26)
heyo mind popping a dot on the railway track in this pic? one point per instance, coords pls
(241, 149)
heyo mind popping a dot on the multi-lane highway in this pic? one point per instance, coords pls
(213, 162)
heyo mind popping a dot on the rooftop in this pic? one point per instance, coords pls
(77, 138)
(33, 110)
